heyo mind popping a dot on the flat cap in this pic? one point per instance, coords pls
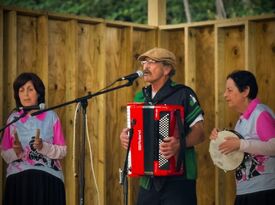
(159, 54)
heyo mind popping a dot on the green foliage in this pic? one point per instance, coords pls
(136, 10)
(237, 8)
(203, 10)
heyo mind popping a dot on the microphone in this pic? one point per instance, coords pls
(41, 106)
(132, 76)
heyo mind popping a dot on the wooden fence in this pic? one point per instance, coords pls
(74, 55)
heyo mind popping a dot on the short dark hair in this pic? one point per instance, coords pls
(38, 84)
(244, 79)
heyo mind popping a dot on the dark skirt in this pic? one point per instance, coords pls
(262, 197)
(33, 187)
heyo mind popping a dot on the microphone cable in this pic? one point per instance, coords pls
(74, 134)
(91, 159)
(90, 149)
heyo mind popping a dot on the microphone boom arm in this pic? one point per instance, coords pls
(84, 98)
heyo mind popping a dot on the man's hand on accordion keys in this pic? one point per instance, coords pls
(124, 137)
(170, 147)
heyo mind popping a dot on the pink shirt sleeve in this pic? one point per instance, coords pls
(58, 138)
(58, 149)
(265, 126)
(7, 140)
(7, 151)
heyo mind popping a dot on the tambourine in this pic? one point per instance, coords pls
(229, 161)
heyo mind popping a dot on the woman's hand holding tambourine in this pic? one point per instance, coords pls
(230, 144)
(224, 149)
(214, 134)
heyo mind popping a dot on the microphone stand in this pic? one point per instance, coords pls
(84, 103)
(123, 173)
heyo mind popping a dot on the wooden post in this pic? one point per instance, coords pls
(190, 57)
(101, 177)
(71, 73)
(42, 56)
(250, 46)
(156, 12)
(10, 56)
(219, 118)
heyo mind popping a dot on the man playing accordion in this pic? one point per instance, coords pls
(159, 66)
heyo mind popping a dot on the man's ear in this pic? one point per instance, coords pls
(167, 69)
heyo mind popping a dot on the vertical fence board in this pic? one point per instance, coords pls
(116, 65)
(101, 117)
(92, 79)
(205, 86)
(86, 68)
(167, 40)
(60, 91)
(42, 52)
(142, 41)
(57, 64)
(231, 56)
(27, 44)
(68, 38)
(265, 61)
(10, 59)
(128, 56)
(190, 57)
(250, 37)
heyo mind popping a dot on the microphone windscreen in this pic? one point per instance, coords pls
(42, 106)
(140, 73)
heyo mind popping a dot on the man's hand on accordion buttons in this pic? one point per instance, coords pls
(170, 147)
(124, 138)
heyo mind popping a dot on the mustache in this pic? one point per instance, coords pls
(146, 71)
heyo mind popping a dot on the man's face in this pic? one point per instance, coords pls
(154, 71)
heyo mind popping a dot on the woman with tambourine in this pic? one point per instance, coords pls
(255, 176)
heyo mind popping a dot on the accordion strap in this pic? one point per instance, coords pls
(181, 158)
(181, 126)
(177, 88)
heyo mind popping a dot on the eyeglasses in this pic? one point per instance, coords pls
(150, 61)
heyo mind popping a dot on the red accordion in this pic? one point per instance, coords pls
(150, 124)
